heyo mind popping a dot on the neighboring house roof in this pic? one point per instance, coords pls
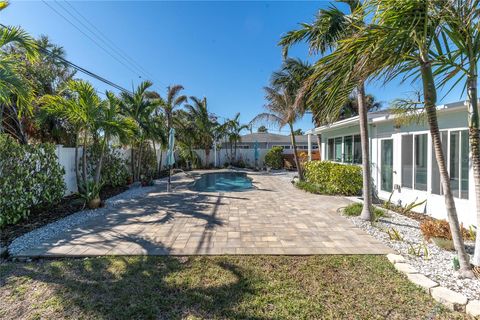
(381, 116)
(263, 137)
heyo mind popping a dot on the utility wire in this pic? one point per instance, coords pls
(77, 67)
(89, 37)
(109, 42)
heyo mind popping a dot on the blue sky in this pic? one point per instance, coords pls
(225, 51)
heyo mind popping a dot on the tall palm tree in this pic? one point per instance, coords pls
(83, 110)
(401, 41)
(140, 106)
(205, 125)
(281, 111)
(461, 27)
(15, 91)
(330, 27)
(233, 130)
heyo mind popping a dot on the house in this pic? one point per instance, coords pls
(402, 159)
(266, 140)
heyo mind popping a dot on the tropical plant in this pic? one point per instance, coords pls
(140, 106)
(16, 93)
(91, 117)
(205, 124)
(274, 157)
(459, 55)
(232, 131)
(330, 27)
(402, 41)
(284, 103)
(262, 129)
(31, 176)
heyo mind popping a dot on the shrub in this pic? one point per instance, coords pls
(274, 158)
(30, 175)
(433, 228)
(334, 178)
(115, 171)
(355, 209)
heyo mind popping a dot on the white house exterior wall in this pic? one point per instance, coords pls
(451, 120)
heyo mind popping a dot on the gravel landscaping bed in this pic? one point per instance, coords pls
(438, 265)
(36, 236)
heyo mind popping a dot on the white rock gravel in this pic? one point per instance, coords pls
(438, 266)
(36, 236)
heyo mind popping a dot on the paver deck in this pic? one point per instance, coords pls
(274, 218)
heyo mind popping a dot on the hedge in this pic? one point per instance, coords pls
(30, 175)
(274, 158)
(334, 178)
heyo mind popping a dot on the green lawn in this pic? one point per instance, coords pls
(238, 287)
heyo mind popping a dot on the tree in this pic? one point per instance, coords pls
(139, 105)
(330, 27)
(402, 41)
(459, 55)
(15, 91)
(298, 132)
(262, 129)
(282, 112)
(233, 128)
(90, 116)
(205, 125)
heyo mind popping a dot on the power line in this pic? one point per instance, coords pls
(77, 67)
(89, 37)
(109, 42)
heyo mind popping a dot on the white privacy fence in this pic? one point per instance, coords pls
(223, 156)
(66, 157)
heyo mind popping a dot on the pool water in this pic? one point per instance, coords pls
(223, 181)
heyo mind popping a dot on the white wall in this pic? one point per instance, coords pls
(247, 155)
(435, 204)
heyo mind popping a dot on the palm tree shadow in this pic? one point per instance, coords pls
(146, 287)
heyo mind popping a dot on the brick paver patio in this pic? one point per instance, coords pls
(274, 218)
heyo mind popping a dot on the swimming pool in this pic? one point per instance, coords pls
(222, 181)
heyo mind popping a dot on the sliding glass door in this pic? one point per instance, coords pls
(386, 165)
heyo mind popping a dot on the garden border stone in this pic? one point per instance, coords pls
(451, 299)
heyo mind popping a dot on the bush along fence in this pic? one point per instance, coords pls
(327, 177)
(30, 175)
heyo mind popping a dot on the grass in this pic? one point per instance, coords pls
(224, 287)
(355, 209)
(310, 187)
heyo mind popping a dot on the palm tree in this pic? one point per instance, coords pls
(330, 27)
(15, 91)
(461, 26)
(401, 42)
(83, 110)
(233, 130)
(205, 125)
(139, 105)
(282, 112)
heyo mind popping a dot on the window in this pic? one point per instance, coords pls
(338, 149)
(421, 162)
(407, 161)
(330, 149)
(345, 149)
(348, 149)
(387, 165)
(357, 150)
(456, 150)
(414, 161)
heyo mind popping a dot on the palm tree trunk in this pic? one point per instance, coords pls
(84, 160)
(207, 157)
(367, 176)
(132, 161)
(139, 161)
(474, 136)
(430, 99)
(295, 155)
(77, 168)
(98, 169)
